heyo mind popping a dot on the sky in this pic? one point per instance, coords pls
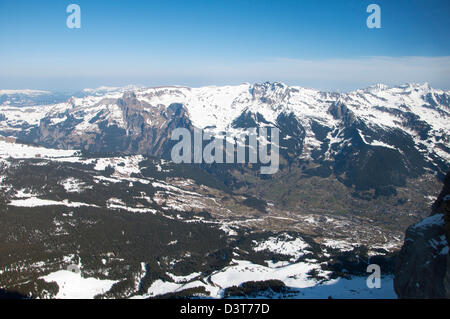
(324, 44)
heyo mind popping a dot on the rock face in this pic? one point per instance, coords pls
(124, 125)
(423, 265)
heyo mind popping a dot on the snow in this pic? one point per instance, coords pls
(354, 288)
(293, 275)
(15, 150)
(434, 220)
(165, 186)
(431, 198)
(24, 193)
(97, 179)
(183, 279)
(73, 185)
(338, 244)
(36, 202)
(18, 116)
(284, 245)
(56, 120)
(217, 107)
(160, 287)
(73, 286)
(123, 166)
(101, 90)
(25, 92)
(362, 101)
(228, 230)
(115, 203)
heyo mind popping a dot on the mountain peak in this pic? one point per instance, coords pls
(377, 87)
(271, 85)
(416, 86)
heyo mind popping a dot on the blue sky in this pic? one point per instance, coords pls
(314, 43)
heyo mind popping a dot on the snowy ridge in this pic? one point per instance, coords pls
(416, 109)
(17, 150)
(25, 92)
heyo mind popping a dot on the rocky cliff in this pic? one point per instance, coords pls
(423, 265)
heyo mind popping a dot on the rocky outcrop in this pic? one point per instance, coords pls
(125, 125)
(423, 264)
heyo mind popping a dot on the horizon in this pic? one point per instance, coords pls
(319, 44)
(139, 86)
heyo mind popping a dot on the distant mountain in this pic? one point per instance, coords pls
(370, 138)
(30, 97)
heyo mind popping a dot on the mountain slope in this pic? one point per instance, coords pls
(419, 111)
(382, 148)
(134, 226)
(423, 265)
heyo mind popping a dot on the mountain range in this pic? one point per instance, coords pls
(407, 123)
(356, 169)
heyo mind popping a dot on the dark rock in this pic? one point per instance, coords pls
(423, 264)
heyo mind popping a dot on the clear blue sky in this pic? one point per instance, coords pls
(314, 43)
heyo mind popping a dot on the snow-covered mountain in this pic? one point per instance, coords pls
(407, 124)
(30, 97)
(356, 169)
